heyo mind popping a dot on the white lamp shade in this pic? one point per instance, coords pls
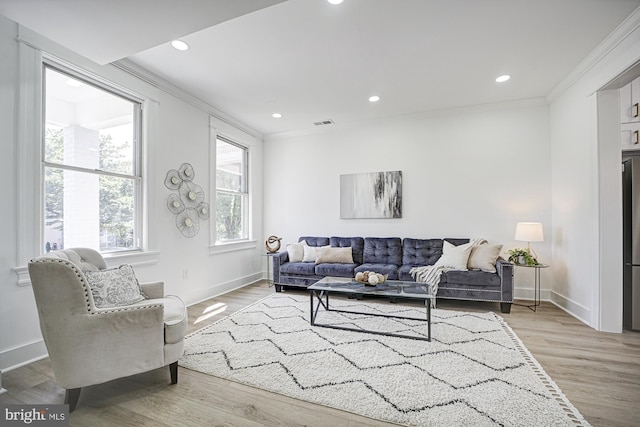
(529, 232)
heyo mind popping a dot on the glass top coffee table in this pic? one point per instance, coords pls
(319, 297)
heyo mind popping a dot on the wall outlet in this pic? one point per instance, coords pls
(185, 273)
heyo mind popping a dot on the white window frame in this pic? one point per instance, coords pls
(220, 128)
(136, 174)
(29, 192)
(244, 191)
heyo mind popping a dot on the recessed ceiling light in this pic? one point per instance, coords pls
(180, 45)
(374, 98)
(503, 78)
(335, 1)
(276, 115)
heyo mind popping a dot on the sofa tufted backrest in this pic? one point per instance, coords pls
(421, 251)
(356, 244)
(383, 250)
(315, 240)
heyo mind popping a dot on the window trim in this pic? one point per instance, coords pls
(90, 79)
(244, 192)
(218, 127)
(29, 200)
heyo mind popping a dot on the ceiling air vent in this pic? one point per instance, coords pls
(323, 123)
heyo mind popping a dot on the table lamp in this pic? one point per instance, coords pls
(529, 232)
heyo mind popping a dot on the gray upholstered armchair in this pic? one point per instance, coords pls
(91, 343)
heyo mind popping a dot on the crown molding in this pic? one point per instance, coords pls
(164, 85)
(425, 114)
(628, 26)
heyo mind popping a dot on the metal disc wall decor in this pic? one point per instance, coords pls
(173, 180)
(186, 172)
(203, 210)
(188, 223)
(188, 202)
(174, 203)
(191, 194)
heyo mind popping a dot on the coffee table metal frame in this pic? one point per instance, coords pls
(391, 288)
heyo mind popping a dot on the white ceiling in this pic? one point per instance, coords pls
(107, 30)
(313, 61)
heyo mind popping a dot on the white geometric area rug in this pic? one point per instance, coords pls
(474, 372)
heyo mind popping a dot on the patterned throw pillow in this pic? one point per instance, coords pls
(114, 287)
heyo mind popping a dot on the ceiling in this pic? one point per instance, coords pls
(312, 61)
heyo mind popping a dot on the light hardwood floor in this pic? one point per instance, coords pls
(599, 373)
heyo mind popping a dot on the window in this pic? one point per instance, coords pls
(91, 164)
(231, 191)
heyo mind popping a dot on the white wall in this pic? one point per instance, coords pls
(17, 313)
(472, 172)
(586, 217)
(179, 131)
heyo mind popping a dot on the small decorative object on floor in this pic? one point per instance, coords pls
(370, 278)
(271, 240)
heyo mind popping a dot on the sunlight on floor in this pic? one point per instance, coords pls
(211, 311)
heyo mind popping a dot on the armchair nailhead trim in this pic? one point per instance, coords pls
(140, 307)
(86, 290)
(75, 269)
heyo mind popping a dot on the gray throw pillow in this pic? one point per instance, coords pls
(114, 287)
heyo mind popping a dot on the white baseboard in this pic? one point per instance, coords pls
(23, 355)
(571, 307)
(2, 390)
(578, 311)
(528, 294)
(222, 288)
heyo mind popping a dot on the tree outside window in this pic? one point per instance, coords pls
(231, 191)
(91, 186)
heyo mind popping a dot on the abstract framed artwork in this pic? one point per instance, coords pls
(371, 195)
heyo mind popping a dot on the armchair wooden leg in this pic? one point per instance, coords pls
(71, 397)
(173, 368)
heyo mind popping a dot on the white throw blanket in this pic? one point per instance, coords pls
(430, 274)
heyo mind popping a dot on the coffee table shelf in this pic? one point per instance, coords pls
(319, 297)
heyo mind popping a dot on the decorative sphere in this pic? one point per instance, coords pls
(359, 276)
(269, 244)
(373, 279)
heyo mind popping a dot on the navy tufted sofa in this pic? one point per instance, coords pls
(396, 257)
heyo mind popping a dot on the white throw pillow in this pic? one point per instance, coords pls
(454, 257)
(296, 251)
(484, 257)
(114, 287)
(334, 255)
(309, 254)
